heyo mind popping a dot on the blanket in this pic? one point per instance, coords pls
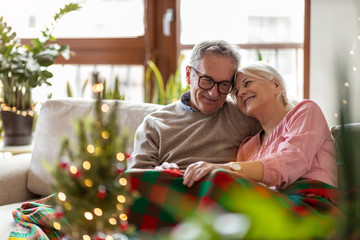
(164, 201)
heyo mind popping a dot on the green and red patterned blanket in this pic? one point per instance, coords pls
(164, 201)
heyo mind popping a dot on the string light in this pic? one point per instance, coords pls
(98, 151)
(73, 169)
(123, 217)
(346, 84)
(108, 237)
(120, 207)
(57, 226)
(98, 212)
(62, 196)
(105, 134)
(120, 156)
(90, 148)
(98, 87)
(123, 181)
(88, 182)
(121, 198)
(86, 165)
(105, 108)
(67, 206)
(88, 216)
(86, 237)
(5, 107)
(112, 221)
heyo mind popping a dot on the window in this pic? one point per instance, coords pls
(117, 37)
(273, 29)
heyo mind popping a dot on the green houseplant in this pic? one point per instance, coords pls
(22, 68)
(158, 93)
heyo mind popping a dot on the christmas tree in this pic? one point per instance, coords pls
(93, 193)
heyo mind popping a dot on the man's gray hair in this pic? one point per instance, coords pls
(215, 47)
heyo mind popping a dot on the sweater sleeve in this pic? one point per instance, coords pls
(303, 134)
(146, 149)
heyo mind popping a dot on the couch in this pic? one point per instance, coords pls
(24, 177)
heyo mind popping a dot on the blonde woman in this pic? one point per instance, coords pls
(294, 142)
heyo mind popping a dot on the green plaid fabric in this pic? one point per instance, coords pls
(164, 201)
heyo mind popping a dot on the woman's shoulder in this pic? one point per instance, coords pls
(305, 105)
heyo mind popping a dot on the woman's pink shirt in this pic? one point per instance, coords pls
(300, 146)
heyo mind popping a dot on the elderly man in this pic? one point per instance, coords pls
(204, 125)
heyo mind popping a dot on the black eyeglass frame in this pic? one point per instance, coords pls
(213, 82)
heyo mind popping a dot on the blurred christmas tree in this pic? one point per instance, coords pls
(93, 194)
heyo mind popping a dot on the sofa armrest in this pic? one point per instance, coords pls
(13, 179)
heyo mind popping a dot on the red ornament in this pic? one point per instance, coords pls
(120, 168)
(101, 195)
(78, 174)
(101, 192)
(127, 155)
(124, 225)
(59, 214)
(100, 236)
(63, 165)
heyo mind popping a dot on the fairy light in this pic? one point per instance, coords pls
(105, 134)
(62, 196)
(108, 237)
(98, 87)
(346, 84)
(120, 207)
(67, 206)
(120, 156)
(123, 181)
(98, 151)
(86, 165)
(98, 212)
(57, 226)
(123, 217)
(73, 169)
(90, 148)
(121, 198)
(112, 221)
(105, 108)
(88, 182)
(88, 216)
(86, 237)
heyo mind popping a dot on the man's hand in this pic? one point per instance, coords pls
(166, 165)
(196, 171)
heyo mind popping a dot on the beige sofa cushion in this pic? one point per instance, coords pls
(55, 122)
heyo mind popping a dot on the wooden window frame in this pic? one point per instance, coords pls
(164, 50)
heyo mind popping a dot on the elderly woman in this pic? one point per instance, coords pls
(295, 141)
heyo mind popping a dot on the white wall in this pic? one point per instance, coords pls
(334, 32)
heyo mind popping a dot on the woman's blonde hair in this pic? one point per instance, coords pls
(263, 71)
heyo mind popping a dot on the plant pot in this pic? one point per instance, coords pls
(17, 128)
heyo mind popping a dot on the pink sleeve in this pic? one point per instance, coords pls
(303, 134)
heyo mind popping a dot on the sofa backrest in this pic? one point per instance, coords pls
(55, 122)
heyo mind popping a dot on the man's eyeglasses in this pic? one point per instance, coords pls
(206, 83)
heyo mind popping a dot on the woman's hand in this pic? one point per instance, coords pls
(196, 171)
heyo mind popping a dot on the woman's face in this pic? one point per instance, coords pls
(255, 95)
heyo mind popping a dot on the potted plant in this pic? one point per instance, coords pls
(22, 68)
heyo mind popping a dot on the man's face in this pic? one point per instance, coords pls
(219, 69)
